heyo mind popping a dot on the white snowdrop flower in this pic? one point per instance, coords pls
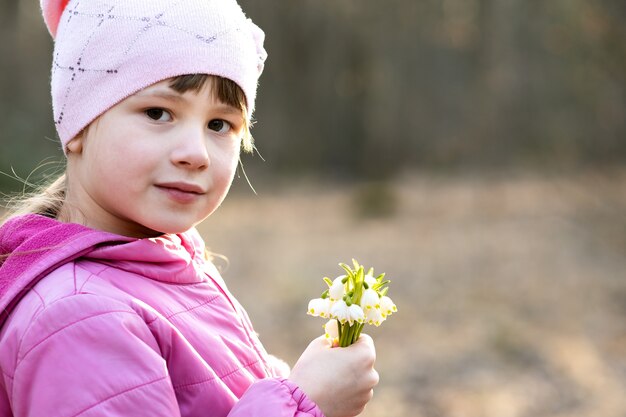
(387, 307)
(337, 290)
(370, 299)
(369, 280)
(339, 311)
(374, 316)
(319, 307)
(355, 314)
(331, 329)
(347, 316)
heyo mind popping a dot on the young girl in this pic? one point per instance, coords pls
(109, 305)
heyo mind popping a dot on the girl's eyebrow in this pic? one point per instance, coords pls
(228, 109)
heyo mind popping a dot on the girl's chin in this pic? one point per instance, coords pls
(161, 228)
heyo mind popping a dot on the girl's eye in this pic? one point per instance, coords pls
(159, 115)
(220, 126)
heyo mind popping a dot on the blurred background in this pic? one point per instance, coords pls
(474, 150)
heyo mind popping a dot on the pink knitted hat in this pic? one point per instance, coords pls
(108, 50)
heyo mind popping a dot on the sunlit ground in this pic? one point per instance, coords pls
(511, 289)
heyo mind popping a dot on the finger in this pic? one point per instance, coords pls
(320, 342)
(365, 338)
(366, 341)
(375, 378)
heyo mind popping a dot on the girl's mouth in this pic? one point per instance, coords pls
(180, 192)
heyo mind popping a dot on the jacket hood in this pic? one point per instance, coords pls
(32, 246)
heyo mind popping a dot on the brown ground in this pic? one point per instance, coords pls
(511, 289)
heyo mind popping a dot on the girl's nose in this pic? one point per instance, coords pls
(191, 151)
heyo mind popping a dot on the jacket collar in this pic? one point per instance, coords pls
(176, 259)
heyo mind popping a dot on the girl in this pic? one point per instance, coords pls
(109, 304)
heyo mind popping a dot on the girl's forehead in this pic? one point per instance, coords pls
(158, 90)
(164, 89)
(163, 85)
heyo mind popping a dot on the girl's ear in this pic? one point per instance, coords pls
(75, 145)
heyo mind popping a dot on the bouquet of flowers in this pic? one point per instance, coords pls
(350, 301)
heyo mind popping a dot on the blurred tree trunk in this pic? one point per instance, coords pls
(8, 33)
(25, 113)
(9, 71)
(500, 69)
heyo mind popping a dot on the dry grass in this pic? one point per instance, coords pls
(511, 290)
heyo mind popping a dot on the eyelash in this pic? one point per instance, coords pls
(157, 109)
(161, 112)
(222, 124)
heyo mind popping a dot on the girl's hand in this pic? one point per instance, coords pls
(339, 380)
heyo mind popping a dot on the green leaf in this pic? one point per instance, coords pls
(356, 264)
(347, 269)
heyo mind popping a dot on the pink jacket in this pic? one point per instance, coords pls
(95, 324)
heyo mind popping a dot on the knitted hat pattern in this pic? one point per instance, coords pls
(105, 51)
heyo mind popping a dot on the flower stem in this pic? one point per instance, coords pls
(357, 334)
(344, 339)
(349, 334)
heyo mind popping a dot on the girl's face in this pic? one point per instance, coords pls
(158, 162)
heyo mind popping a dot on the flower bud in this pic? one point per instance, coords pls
(370, 280)
(331, 329)
(370, 299)
(339, 311)
(319, 307)
(387, 307)
(336, 291)
(374, 316)
(355, 314)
